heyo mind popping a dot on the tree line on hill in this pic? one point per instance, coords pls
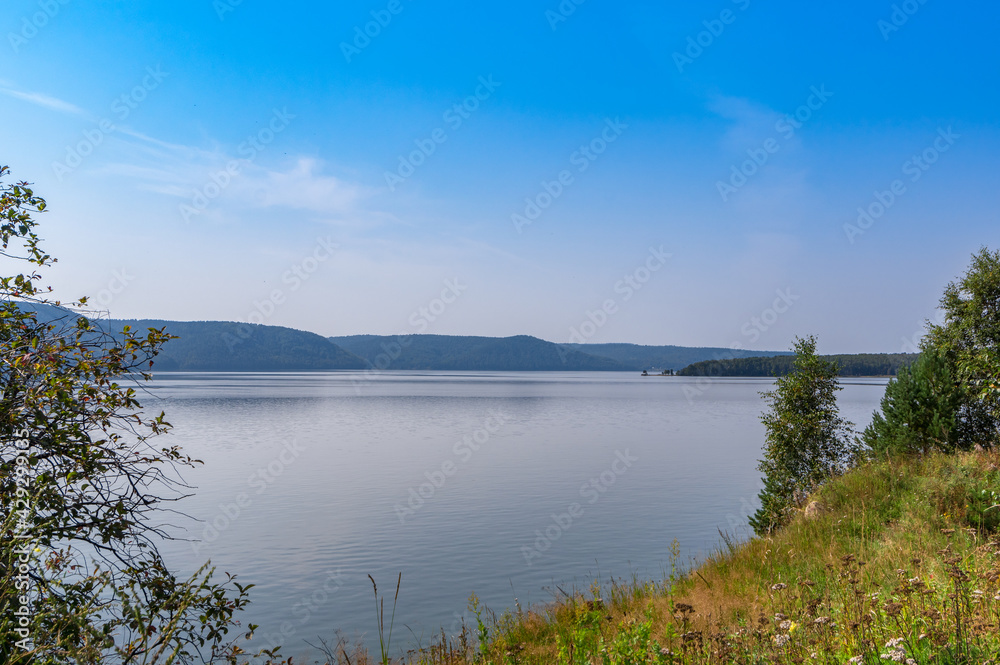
(858, 364)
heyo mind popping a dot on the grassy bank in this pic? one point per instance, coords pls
(897, 561)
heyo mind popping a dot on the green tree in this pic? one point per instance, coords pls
(969, 339)
(82, 486)
(920, 410)
(807, 440)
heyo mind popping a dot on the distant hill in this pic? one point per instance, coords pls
(447, 352)
(858, 364)
(223, 346)
(637, 357)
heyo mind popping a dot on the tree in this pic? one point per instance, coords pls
(807, 440)
(969, 339)
(82, 486)
(920, 411)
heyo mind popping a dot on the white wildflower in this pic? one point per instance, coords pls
(897, 655)
(781, 640)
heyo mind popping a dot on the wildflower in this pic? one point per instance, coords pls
(894, 642)
(781, 640)
(785, 625)
(779, 586)
(814, 655)
(856, 659)
(896, 655)
(821, 620)
(779, 617)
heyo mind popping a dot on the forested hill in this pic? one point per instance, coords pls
(638, 357)
(223, 346)
(859, 364)
(454, 352)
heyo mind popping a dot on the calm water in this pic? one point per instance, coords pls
(504, 484)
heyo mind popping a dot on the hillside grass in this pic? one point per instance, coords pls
(899, 561)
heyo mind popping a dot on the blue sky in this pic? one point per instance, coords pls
(512, 168)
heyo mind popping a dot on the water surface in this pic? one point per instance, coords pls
(506, 484)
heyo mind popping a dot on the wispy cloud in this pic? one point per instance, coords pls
(45, 101)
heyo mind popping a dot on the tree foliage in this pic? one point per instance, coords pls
(950, 399)
(969, 338)
(919, 411)
(807, 440)
(83, 487)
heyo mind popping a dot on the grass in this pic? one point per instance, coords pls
(900, 564)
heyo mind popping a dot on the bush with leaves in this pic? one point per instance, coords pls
(83, 487)
(807, 440)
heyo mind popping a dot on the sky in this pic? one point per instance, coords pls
(718, 173)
